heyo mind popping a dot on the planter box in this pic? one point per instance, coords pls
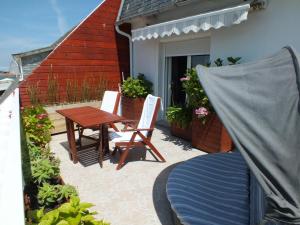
(212, 136)
(58, 120)
(184, 133)
(132, 107)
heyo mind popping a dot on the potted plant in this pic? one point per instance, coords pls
(208, 133)
(134, 92)
(180, 119)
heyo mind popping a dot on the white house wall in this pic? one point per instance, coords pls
(146, 60)
(264, 33)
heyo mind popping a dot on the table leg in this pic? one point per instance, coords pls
(68, 135)
(100, 149)
(71, 139)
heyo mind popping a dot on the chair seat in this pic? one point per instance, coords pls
(116, 137)
(211, 190)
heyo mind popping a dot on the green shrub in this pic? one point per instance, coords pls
(71, 213)
(180, 116)
(37, 125)
(136, 87)
(66, 191)
(44, 170)
(196, 96)
(50, 195)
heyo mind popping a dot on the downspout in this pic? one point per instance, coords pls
(126, 35)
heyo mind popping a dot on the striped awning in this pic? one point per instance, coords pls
(202, 22)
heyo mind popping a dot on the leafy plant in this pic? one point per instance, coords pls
(48, 195)
(66, 191)
(37, 125)
(44, 170)
(196, 95)
(33, 91)
(219, 62)
(179, 116)
(233, 61)
(136, 87)
(71, 213)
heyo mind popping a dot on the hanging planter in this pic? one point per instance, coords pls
(211, 136)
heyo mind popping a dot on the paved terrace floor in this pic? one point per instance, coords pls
(134, 195)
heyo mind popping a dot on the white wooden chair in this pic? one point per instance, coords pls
(139, 136)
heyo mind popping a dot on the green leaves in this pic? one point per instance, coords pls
(136, 87)
(179, 116)
(43, 170)
(71, 213)
(196, 96)
(233, 61)
(48, 195)
(37, 125)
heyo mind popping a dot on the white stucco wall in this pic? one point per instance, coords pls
(146, 60)
(264, 33)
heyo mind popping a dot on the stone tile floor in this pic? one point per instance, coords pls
(134, 195)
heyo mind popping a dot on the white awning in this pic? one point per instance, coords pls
(202, 22)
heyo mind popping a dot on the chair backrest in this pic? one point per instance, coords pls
(110, 101)
(149, 113)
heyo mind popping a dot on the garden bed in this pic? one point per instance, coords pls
(47, 199)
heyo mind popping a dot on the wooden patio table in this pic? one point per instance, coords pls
(87, 117)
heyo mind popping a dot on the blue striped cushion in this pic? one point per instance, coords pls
(257, 201)
(210, 190)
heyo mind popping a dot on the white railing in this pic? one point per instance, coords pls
(11, 179)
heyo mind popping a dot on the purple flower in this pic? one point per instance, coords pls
(202, 112)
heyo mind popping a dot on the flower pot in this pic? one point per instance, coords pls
(184, 133)
(212, 136)
(132, 107)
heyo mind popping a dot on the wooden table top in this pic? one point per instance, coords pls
(88, 116)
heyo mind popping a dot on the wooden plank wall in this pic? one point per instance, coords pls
(93, 51)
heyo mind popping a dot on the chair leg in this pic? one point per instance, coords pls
(125, 153)
(154, 149)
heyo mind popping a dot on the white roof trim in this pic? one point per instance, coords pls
(202, 22)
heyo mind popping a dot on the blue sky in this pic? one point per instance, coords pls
(30, 24)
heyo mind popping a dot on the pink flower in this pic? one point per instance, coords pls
(202, 112)
(185, 78)
(41, 116)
